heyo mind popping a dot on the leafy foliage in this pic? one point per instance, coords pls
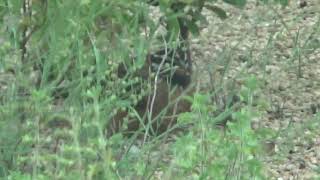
(60, 62)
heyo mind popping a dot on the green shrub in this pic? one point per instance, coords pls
(59, 88)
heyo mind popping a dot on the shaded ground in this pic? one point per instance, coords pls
(281, 47)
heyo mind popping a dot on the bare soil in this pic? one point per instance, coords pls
(281, 46)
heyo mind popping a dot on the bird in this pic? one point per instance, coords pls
(161, 106)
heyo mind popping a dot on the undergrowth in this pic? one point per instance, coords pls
(59, 88)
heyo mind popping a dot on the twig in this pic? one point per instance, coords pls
(155, 87)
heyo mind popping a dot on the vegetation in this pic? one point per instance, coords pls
(60, 87)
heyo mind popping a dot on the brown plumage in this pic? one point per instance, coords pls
(167, 104)
(170, 88)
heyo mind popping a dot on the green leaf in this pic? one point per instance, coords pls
(186, 118)
(164, 5)
(283, 2)
(193, 28)
(252, 83)
(237, 3)
(173, 27)
(187, 1)
(217, 10)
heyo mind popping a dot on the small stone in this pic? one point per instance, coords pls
(313, 108)
(303, 4)
(302, 164)
(281, 87)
